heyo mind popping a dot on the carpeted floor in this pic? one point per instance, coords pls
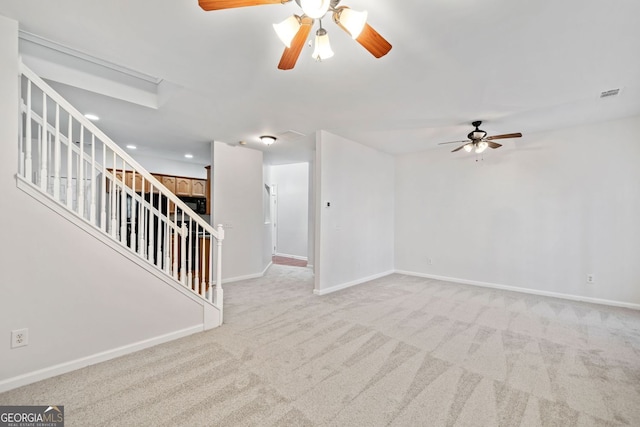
(399, 351)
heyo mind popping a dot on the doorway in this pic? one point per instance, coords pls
(289, 208)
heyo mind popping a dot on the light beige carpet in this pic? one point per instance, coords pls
(400, 351)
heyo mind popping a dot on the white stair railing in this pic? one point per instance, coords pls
(68, 159)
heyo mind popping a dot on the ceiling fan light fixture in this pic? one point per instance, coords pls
(482, 145)
(322, 49)
(468, 147)
(477, 134)
(287, 29)
(351, 20)
(315, 8)
(268, 139)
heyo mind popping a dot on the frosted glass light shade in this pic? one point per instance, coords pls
(268, 139)
(323, 48)
(478, 134)
(468, 147)
(482, 145)
(315, 8)
(353, 21)
(287, 29)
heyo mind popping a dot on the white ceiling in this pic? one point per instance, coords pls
(521, 66)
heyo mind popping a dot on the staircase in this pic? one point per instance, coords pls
(66, 159)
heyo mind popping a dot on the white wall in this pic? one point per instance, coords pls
(354, 236)
(60, 282)
(170, 167)
(292, 183)
(237, 204)
(540, 213)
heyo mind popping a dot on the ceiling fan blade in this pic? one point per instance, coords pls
(454, 142)
(459, 148)
(504, 136)
(493, 144)
(291, 54)
(231, 4)
(373, 42)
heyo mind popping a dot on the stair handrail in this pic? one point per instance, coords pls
(169, 252)
(51, 93)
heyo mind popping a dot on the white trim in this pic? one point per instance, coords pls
(301, 258)
(352, 283)
(247, 277)
(266, 268)
(63, 368)
(523, 290)
(240, 278)
(66, 50)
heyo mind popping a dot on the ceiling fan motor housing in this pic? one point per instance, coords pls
(477, 134)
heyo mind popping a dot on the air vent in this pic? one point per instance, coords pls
(290, 135)
(608, 93)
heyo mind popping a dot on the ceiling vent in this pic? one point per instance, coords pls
(290, 135)
(608, 93)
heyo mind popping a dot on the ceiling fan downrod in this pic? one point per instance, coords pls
(477, 134)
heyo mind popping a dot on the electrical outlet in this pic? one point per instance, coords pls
(19, 338)
(591, 279)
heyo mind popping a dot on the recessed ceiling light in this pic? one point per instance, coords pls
(189, 156)
(92, 116)
(131, 147)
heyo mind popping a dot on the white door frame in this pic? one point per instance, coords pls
(273, 205)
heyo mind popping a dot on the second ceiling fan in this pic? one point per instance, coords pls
(294, 30)
(479, 141)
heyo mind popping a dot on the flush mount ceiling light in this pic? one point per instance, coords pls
(92, 117)
(268, 139)
(294, 30)
(131, 147)
(188, 156)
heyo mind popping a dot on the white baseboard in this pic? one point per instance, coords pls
(267, 268)
(523, 290)
(247, 277)
(352, 283)
(301, 258)
(63, 368)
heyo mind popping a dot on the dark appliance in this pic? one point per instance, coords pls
(197, 204)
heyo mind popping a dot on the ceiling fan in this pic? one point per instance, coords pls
(479, 140)
(294, 30)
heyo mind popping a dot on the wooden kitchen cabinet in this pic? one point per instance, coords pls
(198, 188)
(183, 186)
(169, 182)
(129, 180)
(179, 185)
